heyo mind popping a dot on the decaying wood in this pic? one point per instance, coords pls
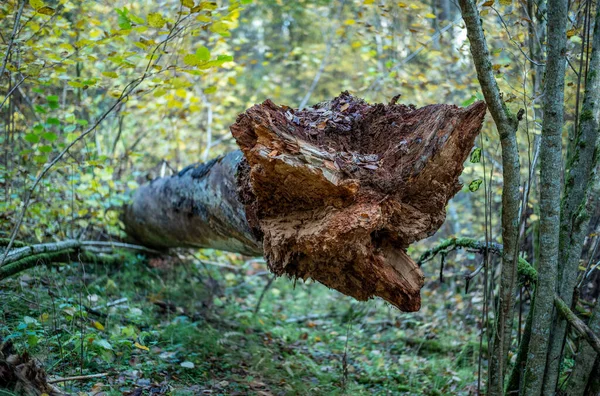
(336, 192)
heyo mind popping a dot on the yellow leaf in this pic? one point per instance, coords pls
(506, 2)
(429, 16)
(571, 32)
(356, 44)
(349, 22)
(219, 27)
(188, 3)
(46, 11)
(402, 5)
(156, 20)
(369, 1)
(140, 346)
(191, 60)
(35, 4)
(98, 325)
(110, 74)
(488, 3)
(496, 67)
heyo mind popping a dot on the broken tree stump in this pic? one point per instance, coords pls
(336, 192)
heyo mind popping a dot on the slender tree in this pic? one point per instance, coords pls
(507, 125)
(574, 216)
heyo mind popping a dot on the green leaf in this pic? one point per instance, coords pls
(45, 149)
(53, 121)
(70, 128)
(40, 159)
(50, 136)
(476, 155)
(123, 20)
(210, 90)
(191, 60)
(469, 101)
(225, 58)
(474, 185)
(104, 344)
(203, 53)
(110, 74)
(32, 138)
(53, 101)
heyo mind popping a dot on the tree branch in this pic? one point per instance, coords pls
(577, 324)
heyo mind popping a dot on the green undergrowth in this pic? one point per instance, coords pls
(188, 327)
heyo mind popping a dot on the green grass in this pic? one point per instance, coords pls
(305, 339)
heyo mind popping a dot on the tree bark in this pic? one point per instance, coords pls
(536, 375)
(574, 216)
(507, 125)
(336, 193)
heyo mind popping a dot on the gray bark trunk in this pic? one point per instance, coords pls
(507, 127)
(550, 188)
(574, 215)
(198, 207)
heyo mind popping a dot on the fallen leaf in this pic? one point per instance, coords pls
(98, 325)
(140, 346)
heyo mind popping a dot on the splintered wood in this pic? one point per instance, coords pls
(337, 192)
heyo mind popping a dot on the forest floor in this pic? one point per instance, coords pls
(186, 325)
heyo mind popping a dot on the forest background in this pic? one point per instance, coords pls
(101, 97)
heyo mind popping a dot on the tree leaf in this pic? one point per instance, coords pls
(219, 27)
(188, 3)
(474, 185)
(210, 90)
(156, 20)
(49, 136)
(469, 101)
(191, 60)
(46, 10)
(476, 155)
(36, 4)
(104, 344)
(110, 74)
(203, 53)
(32, 138)
(123, 20)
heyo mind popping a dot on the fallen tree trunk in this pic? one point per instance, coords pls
(336, 192)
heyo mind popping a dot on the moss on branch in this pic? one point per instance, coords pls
(525, 270)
